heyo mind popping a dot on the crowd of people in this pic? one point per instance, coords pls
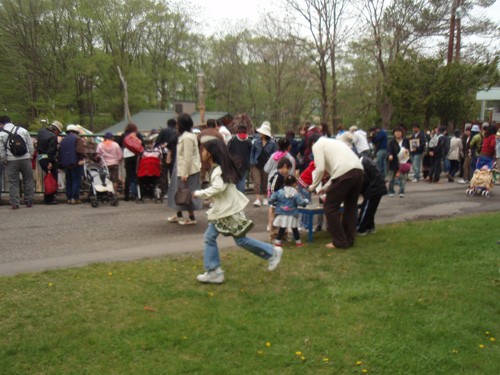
(213, 166)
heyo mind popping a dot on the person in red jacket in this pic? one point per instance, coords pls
(488, 149)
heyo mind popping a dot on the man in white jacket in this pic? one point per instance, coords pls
(17, 164)
(344, 186)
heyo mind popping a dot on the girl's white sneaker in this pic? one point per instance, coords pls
(212, 277)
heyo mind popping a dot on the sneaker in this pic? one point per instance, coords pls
(257, 203)
(265, 202)
(299, 244)
(268, 228)
(212, 277)
(277, 243)
(174, 219)
(275, 259)
(362, 233)
(372, 231)
(401, 195)
(415, 180)
(390, 195)
(187, 221)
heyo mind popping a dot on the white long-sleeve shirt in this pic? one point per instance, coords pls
(334, 157)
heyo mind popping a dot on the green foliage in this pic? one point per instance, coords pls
(421, 88)
(412, 298)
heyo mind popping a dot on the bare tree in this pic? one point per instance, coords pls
(324, 19)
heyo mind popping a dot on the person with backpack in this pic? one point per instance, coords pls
(16, 149)
(47, 150)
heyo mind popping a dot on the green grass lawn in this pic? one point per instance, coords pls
(414, 298)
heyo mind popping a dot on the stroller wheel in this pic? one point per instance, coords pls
(487, 194)
(95, 204)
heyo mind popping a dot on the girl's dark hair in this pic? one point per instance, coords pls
(313, 138)
(284, 161)
(130, 128)
(220, 155)
(290, 134)
(283, 144)
(324, 129)
(184, 123)
(290, 180)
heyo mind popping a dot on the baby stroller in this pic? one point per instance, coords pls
(481, 182)
(148, 175)
(101, 187)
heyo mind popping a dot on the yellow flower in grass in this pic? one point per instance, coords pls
(110, 273)
(359, 363)
(268, 344)
(50, 285)
(303, 358)
(260, 352)
(487, 333)
(326, 360)
(364, 371)
(454, 351)
(210, 294)
(492, 339)
(481, 346)
(298, 354)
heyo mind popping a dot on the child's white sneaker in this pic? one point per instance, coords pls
(212, 277)
(275, 260)
(257, 203)
(265, 202)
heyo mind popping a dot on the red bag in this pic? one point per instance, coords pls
(133, 143)
(49, 184)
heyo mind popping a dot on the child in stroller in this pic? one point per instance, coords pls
(101, 187)
(148, 174)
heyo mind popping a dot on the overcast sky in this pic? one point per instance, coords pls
(224, 14)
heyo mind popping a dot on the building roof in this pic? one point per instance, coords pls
(155, 119)
(491, 94)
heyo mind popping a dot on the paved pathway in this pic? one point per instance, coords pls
(46, 237)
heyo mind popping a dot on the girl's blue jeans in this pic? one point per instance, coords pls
(400, 180)
(211, 258)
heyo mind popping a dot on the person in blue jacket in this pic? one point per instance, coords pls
(287, 201)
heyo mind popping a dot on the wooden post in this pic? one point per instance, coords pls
(201, 97)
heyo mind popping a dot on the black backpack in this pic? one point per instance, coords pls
(16, 143)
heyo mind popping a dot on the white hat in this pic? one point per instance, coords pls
(485, 125)
(72, 128)
(265, 129)
(475, 128)
(58, 125)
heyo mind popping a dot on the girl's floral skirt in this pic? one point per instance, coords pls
(236, 225)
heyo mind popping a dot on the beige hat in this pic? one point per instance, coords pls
(58, 125)
(498, 133)
(353, 128)
(265, 129)
(72, 128)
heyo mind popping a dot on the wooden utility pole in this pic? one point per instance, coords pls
(125, 96)
(201, 97)
(455, 27)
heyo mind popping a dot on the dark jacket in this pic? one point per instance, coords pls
(47, 144)
(393, 149)
(240, 151)
(72, 150)
(373, 181)
(421, 140)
